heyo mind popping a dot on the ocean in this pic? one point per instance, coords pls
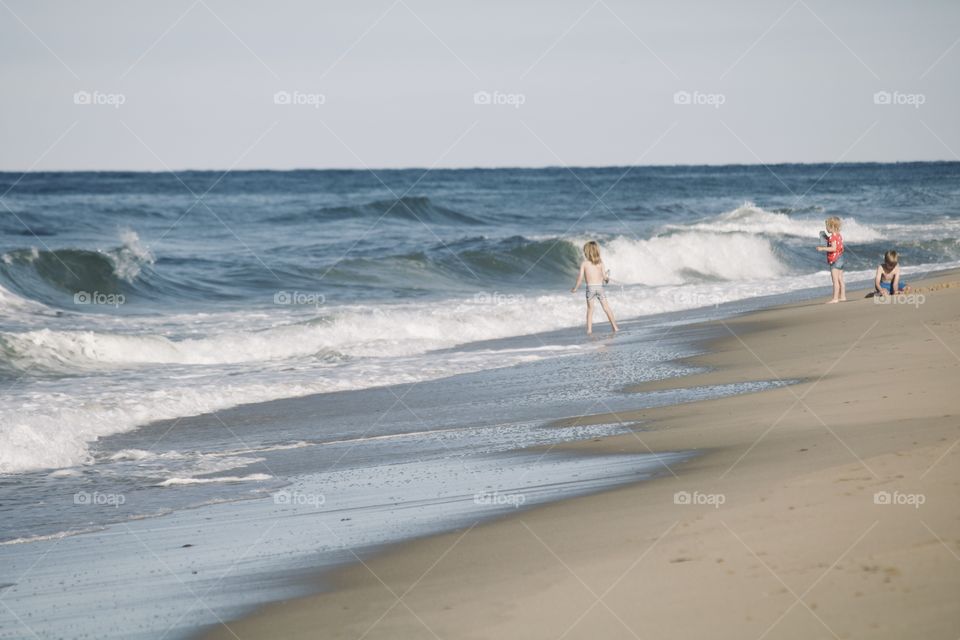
(375, 348)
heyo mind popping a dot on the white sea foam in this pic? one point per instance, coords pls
(752, 220)
(686, 258)
(53, 536)
(47, 428)
(128, 260)
(44, 427)
(11, 303)
(80, 349)
(131, 454)
(932, 229)
(253, 477)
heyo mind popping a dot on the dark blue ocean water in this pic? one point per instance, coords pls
(229, 241)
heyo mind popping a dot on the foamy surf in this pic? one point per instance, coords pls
(752, 221)
(379, 346)
(253, 477)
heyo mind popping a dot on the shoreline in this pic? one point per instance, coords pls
(781, 507)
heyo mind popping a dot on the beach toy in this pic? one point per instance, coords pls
(824, 238)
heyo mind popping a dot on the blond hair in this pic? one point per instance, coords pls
(833, 224)
(592, 251)
(891, 257)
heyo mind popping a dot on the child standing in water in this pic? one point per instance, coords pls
(834, 249)
(595, 274)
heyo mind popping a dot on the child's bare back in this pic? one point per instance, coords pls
(594, 274)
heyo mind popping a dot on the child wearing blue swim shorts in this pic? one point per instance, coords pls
(887, 280)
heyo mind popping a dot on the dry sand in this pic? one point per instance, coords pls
(799, 547)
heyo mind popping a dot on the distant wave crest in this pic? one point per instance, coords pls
(71, 270)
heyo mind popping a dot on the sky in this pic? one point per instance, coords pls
(228, 84)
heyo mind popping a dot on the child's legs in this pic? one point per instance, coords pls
(589, 315)
(609, 312)
(835, 279)
(843, 285)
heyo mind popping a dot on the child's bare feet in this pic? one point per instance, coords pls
(843, 299)
(832, 302)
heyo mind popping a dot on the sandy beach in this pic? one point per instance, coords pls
(825, 508)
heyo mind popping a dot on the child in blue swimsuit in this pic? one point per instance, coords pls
(887, 280)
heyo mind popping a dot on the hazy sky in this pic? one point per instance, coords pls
(193, 84)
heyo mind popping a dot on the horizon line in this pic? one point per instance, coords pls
(485, 167)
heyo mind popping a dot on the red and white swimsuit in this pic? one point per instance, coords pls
(837, 240)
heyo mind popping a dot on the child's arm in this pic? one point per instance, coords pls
(876, 280)
(895, 283)
(579, 278)
(830, 248)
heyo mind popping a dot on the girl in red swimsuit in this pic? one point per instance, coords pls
(834, 249)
